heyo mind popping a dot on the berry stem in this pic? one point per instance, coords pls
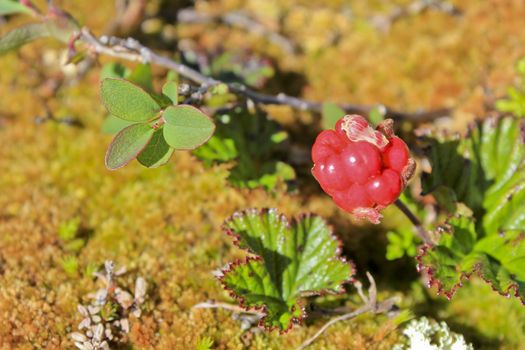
(423, 234)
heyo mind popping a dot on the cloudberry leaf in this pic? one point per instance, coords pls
(127, 101)
(157, 152)
(460, 253)
(291, 261)
(186, 127)
(486, 171)
(127, 145)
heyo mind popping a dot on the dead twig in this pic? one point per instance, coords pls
(238, 19)
(371, 305)
(131, 50)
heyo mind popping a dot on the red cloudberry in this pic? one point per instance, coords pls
(362, 169)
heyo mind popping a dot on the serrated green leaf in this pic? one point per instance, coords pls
(186, 127)
(127, 145)
(331, 113)
(112, 125)
(157, 152)
(23, 35)
(171, 91)
(10, 7)
(128, 101)
(296, 259)
(459, 253)
(486, 171)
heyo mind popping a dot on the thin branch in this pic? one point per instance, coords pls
(131, 50)
(423, 234)
(225, 306)
(370, 306)
(238, 19)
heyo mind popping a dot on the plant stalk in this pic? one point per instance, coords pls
(422, 233)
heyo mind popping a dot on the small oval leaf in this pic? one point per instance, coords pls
(23, 35)
(186, 127)
(127, 145)
(170, 90)
(128, 101)
(9, 7)
(157, 152)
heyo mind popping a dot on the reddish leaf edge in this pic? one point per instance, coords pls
(430, 272)
(106, 157)
(138, 87)
(263, 309)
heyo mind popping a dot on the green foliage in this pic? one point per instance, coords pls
(292, 260)
(331, 114)
(461, 252)
(18, 37)
(204, 343)
(112, 125)
(486, 172)
(186, 127)
(157, 151)
(170, 90)
(142, 76)
(177, 127)
(514, 103)
(253, 142)
(10, 7)
(114, 70)
(68, 233)
(70, 265)
(128, 101)
(127, 145)
(401, 242)
(376, 115)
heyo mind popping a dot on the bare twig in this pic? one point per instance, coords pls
(371, 305)
(218, 305)
(237, 19)
(384, 22)
(417, 223)
(131, 50)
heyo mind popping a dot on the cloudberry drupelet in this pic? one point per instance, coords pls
(362, 169)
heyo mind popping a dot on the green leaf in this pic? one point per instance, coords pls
(114, 70)
(171, 91)
(498, 259)
(186, 127)
(255, 143)
(128, 101)
(23, 35)
(9, 7)
(113, 125)
(377, 115)
(127, 145)
(331, 113)
(294, 260)
(157, 152)
(142, 76)
(486, 171)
